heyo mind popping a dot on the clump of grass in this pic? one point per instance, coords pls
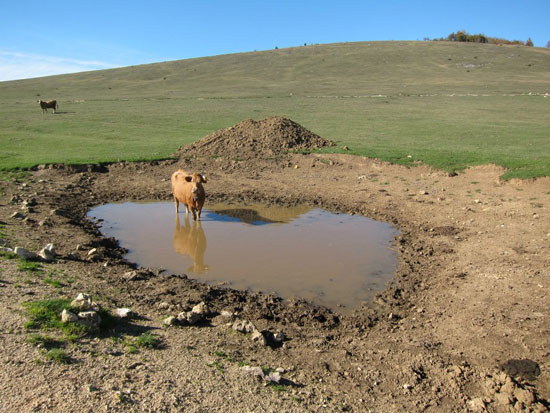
(8, 255)
(131, 349)
(58, 355)
(30, 266)
(148, 340)
(43, 341)
(216, 364)
(46, 315)
(53, 282)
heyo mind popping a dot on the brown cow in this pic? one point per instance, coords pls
(188, 190)
(45, 105)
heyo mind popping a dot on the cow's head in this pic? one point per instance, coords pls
(196, 180)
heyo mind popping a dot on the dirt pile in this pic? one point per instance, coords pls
(256, 139)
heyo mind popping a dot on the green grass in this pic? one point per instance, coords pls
(29, 266)
(148, 340)
(433, 107)
(58, 355)
(46, 315)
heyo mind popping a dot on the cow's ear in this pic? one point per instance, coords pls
(188, 178)
(204, 179)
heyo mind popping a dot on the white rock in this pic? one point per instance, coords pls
(122, 312)
(67, 316)
(259, 338)
(47, 253)
(170, 321)
(25, 253)
(243, 326)
(6, 249)
(274, 377)
(90, 318)
(189, 318)
(201, 309)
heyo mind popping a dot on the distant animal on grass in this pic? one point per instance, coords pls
(188, 190)
(48, 104)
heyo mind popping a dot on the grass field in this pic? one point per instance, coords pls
(448, 105)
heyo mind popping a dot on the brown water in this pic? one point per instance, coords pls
(331, 259)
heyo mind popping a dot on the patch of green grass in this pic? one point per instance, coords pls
(58, 355)
(8, 255)
(148, 340)
(278, 388)
(46, 315)
(30, 266)
(53, 282)
(216, 364)
(43, 341)
(430, 107)
(131, 349)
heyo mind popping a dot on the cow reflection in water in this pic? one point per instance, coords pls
(190, 240)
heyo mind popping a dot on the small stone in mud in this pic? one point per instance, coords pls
(244, 326)
(189, 318)
(25, 253)
(84, 302)
(89, 318)
(201, 309)
(170, 321)
(47, 253)
(122, 312)
(68, 316)
(17, 215)
(259, 337)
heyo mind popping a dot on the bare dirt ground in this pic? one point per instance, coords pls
(464, 326)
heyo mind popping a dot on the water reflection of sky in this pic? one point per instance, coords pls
(328, 258)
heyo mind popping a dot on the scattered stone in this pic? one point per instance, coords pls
(84, 302)
(25, 253)
(269, 377)
(346, 148)
(227, 314)
(477, 405)
(68, 316)
(44, 222)
(189, 318)
(423, 192)
(122, 312)
(162, 306)
(6, 249)
(170, 321)
(274, 377)
(243, 326)
(254, 371)
(279, 337)
(258, 337)
(47, 253)
(131, 276)
(60, 213)
(89, 318)
(17, 215)
(201, 309)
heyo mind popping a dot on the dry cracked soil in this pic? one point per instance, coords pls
(464, 325)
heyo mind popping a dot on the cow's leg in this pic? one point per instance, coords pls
(199, 213)
(177, 204)
(186, 209)
(194, 214)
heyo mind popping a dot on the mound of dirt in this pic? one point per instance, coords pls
(257, 139)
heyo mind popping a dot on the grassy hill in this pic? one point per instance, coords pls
(449, 105)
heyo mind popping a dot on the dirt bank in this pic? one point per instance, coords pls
(464, 326)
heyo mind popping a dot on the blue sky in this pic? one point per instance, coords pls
(40, 38)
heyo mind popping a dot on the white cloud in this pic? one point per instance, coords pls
(16, 65)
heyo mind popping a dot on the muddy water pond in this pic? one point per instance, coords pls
(336, 260)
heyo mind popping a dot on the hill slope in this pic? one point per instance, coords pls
(446, 104)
